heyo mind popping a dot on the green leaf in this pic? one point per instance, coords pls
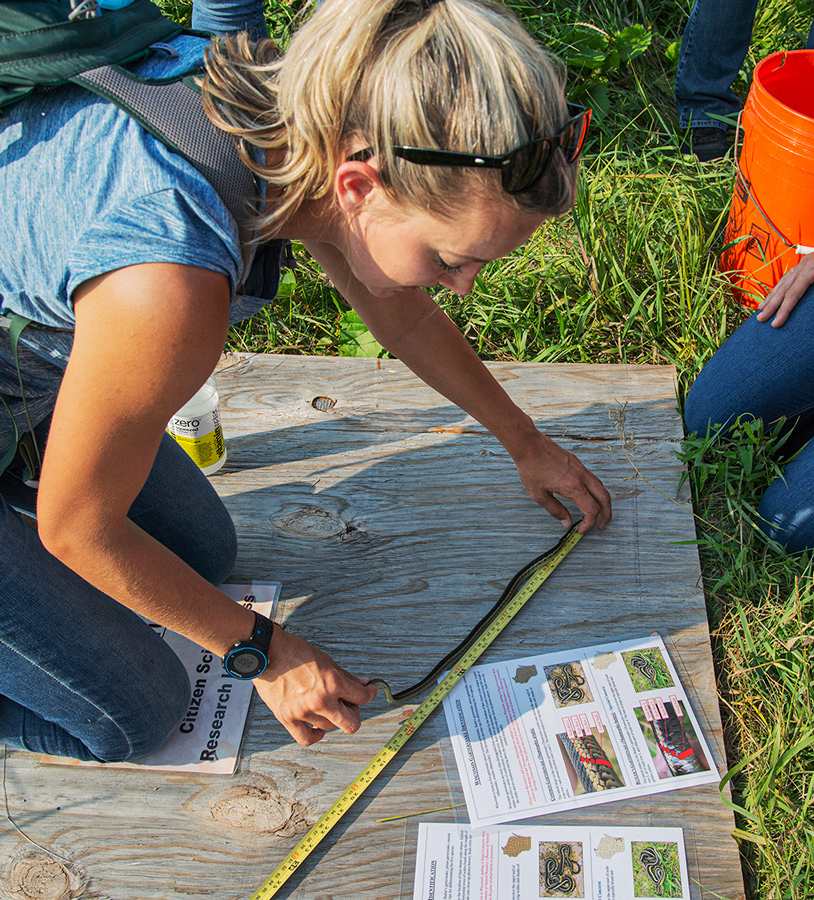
(288, 284)
(597, 97)
(672, 52)
(746, 458)
(585, 46)
(355, 339)
(612, 61)
(740, 834)
(632, 42)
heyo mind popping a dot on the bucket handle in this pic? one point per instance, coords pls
(801, 249)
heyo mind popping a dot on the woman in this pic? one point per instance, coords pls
(127, 245)
(765, 371)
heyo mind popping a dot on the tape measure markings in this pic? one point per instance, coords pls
(548, 562)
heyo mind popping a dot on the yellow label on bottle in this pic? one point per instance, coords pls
(205, 447)
(205, 450)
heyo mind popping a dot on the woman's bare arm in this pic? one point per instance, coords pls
(147, 337)
(412, 327)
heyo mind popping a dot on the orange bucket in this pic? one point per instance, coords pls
(771, 220)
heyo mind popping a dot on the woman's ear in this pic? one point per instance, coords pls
(355, 184)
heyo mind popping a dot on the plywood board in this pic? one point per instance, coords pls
(393, 521)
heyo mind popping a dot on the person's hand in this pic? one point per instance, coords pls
(308, 692)
(785, 295)
(546, 469)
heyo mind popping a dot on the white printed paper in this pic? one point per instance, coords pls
(455, 862)
(208, 739)
(575, 728)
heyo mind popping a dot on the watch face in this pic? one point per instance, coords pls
(245, 663)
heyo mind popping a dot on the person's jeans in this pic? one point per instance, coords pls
(224, 16)
(713, 47)
(80, 674)
(768, 373)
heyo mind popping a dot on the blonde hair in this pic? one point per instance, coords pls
(445, 74)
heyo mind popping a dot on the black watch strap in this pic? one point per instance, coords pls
(262, 632)
(249, 659)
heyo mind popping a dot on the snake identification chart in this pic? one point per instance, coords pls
(455, 862)
(208, 739)
(573, 728)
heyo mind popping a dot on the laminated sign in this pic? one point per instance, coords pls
(574, 728)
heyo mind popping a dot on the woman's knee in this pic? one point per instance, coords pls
(762, 371)
(787, 506)
(146, 718)
(179, 508)
(699, 412)
(717, 397)
(138, 705)
(229, 16)
(213, 552)
(709, 401)
(787, 516)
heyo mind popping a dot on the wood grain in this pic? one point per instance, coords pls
(393, 521)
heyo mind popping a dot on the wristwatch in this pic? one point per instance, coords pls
(249, 658)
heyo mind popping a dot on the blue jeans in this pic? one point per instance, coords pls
(80, 674)
(768, 373)
(222, 16)
(713, 47)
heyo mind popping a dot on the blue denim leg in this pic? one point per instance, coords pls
(713, 48)
(80, 674)
(224, 16)
(787, 506)
(181, 510)
(768, 373)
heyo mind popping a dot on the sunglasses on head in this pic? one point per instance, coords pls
(520, 169)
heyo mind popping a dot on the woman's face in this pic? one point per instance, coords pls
(392, 248)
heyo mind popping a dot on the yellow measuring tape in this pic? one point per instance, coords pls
(539, 571)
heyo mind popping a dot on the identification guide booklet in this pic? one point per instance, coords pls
(208, 739)
(455, 862)
(573, 728)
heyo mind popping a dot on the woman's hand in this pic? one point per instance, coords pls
(546, 469)
(422, 336)
(135, 361)
(785, 295)
(308, 692)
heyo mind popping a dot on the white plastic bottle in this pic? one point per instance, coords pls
(196, 427)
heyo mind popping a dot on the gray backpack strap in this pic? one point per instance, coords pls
(16, 326)
(172, 112)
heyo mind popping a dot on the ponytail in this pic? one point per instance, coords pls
(449, 74)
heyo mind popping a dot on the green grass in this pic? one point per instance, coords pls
(631, 276)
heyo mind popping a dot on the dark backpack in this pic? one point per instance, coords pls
(47, 43)
(44, 44)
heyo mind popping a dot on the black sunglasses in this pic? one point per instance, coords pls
(520, 169)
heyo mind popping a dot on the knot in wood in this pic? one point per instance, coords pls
(36, 876)
(316, 524)
(256, 809)
(323, 404)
